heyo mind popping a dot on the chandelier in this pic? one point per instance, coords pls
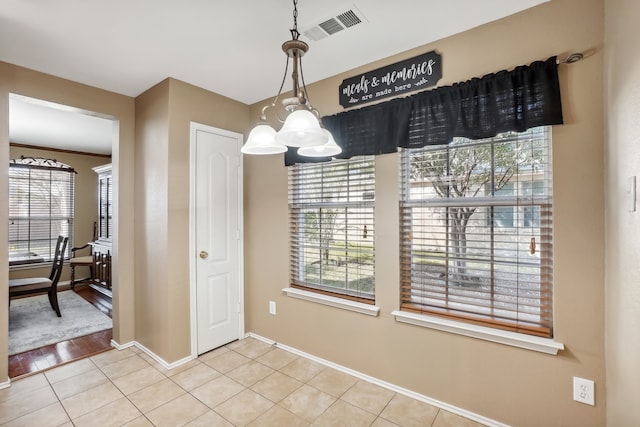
(301, 128)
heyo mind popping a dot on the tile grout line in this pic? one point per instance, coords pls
(272, 348)
(250, 359)
(170, 378)
(58, 396)
(125, 395)
(337, 398)
(210, 408)
(99, 368)
(253, 359)
(307, 383)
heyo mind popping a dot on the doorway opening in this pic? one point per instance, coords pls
(84, 140)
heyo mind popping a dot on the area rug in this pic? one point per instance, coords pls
(33, 323)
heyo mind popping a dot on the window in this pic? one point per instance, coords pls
(40, 208)
(476, 231)
(332, 232)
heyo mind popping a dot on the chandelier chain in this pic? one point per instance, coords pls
(294, 31)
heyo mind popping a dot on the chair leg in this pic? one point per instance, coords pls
(53, 299)
(73, 276)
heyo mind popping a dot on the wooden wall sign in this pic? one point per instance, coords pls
(410, 75)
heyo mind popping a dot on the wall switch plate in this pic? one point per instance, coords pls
(272, 307)
(584, 391)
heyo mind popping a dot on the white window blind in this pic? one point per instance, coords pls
(331, 207)
(40, 208)
(476, 231)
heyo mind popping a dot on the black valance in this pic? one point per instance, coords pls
(516, 100)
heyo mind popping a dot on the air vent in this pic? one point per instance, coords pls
(315, 33)
(341, 20)
(331, 26)
(349, 18)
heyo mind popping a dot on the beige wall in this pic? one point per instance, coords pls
(26, 82)
(85, 201)
(151, 246)
(511, 385)
(163, 117)
(515, 386)
(622, 84)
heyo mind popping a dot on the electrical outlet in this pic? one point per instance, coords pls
(583, 391)
(272, 307)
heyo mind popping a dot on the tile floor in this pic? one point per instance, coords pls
(246, 383)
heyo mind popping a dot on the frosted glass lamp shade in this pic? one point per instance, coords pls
(262, 141)
(301, 129)
(330, 148)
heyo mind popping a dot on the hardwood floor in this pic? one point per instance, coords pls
(39, 359)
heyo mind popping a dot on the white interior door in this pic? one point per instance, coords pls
(216, 236)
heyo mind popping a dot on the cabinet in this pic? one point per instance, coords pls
(101, 247)
(105, 206)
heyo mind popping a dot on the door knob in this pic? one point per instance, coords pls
(203, 254)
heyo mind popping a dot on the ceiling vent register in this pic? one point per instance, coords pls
(342, 20)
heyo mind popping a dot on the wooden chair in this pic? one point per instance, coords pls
(82, 260)
(36, 285)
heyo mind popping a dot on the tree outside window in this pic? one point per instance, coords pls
(473, 247)
(332, 230)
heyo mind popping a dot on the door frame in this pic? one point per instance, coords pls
(194, 128)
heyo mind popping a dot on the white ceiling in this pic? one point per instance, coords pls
(225, 46)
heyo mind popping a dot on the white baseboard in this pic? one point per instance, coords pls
(5, 384)
(409, 393)
(406, 392)
(122, 346)
(152, 355)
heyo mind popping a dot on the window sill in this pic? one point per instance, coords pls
(344, 304)
(529, 342)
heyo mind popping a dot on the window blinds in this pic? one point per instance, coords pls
(331, 209)
(476, 231)
(40, 208)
